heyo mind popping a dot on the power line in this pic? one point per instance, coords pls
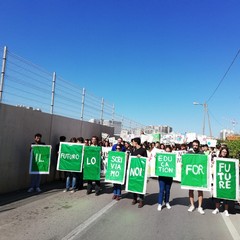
(223, 76)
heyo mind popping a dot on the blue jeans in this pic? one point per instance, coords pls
(35, 180)
(165, 184)
(117, 189)
(71, 181)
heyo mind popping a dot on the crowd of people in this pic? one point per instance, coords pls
(75, 180)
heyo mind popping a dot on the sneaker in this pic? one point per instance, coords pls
(118, 198)
(30, 189)
(114, 197)
(191, 209)
(216, 211)
(200, 210)
(38, 189)
(159, 207)
(168, 206)
(65, 190)
(226, 213)
(73, 190)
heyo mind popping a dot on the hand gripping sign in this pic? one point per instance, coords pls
(70, 157)
(40, 159)
(226, 178)
(196, 172)
(137, 175)
(116, 167)
(92, 163)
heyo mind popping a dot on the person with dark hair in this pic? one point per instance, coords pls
(224, 153)
(139, 152)
(94, 142)
(79, 184)
(36, 178)
(61, 139)
(71, 177)
(196, 150)
(165, 184)
(119, 143)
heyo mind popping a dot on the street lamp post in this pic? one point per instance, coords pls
(205, 113)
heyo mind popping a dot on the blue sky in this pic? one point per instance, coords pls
(152, 59)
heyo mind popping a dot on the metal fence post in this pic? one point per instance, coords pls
(83, 100)
(102, 107)
(53, 91)
(3, 72)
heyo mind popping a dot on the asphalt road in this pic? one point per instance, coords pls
(53, 215)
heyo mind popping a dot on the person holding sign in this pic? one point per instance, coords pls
(94, 143)
(165, 184)
(196, 150)
(117, 188)
(36, 178)
(224, 153)
(139, 152)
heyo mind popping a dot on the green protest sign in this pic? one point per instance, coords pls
(92, 163)
(165, 164)
(226, 178)
(156, 137)
(40, 159)
(137, 175)
(195, 172)
(70, 157)
(116, 166)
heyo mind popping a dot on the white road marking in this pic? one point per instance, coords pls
(88, 222)
(231, 228)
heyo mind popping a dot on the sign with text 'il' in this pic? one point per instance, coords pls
(195, 172)
(226, 178)
(40, 159)
(165, 164)
(92, 163)
(137, 175)
(70, 157)
(116, 167)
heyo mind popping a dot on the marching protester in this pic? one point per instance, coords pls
(79, 184)
(71, 177)
(139, 152)
(119, 143)
(117, 188)
(94, 143)
(165, 184)
(36, 178)
(224, 153)
(196, 150)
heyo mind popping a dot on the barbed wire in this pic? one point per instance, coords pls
(29, 85)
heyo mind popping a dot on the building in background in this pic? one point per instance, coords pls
(224, 133)
(158, 129)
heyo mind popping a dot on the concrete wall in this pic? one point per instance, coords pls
(17, 129)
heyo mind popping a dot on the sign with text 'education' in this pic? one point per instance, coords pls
(70, 157)
(195, 172)
(137, 175)
(92, 163)
(165, 164)
(40, 158)
(226, 178)
(116, 167)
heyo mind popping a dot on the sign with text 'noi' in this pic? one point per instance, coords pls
(70, 157)
(137, 175)
(226, 178)
(92, 163)
(116, 166)
(165, 164)
(40, 158)
(195, 172)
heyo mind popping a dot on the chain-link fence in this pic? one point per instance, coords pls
(25, 84)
